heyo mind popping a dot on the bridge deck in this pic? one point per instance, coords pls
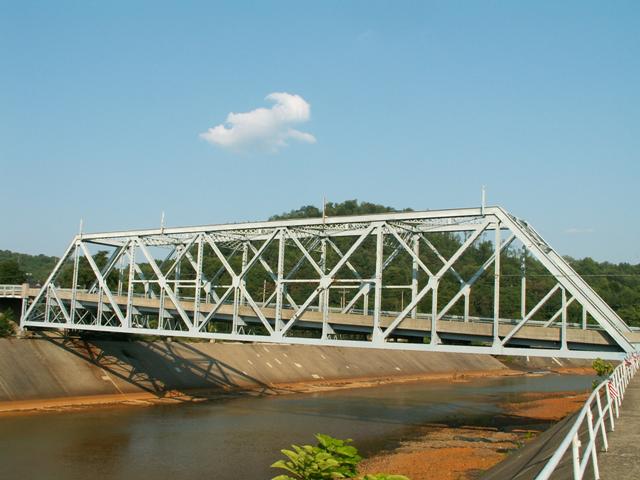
(362, 323)
(623, 458)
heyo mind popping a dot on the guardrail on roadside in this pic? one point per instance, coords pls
(605, 400)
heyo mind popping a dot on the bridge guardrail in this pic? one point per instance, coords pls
(612, 389)
(11, 291)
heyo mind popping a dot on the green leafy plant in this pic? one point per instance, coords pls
(603, 369)
(330, 459)
(308, 463)
(346, 455)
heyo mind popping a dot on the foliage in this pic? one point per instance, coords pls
(308, 463)
(6, 323)
(348, 207)
(346, 455)
(330, 459)
(35, 267)
(602, 368)
(11, 273)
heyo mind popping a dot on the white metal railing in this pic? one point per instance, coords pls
(607, 398)
(11, 291)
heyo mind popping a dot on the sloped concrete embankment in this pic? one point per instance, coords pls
(58, 368)
(528, 462)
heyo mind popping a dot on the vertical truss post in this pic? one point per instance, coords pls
(176, 287)
(466, 294)
(243, 281)
(237, 298)
(161, 310)
(414, 272)
(279, 282)
(584, 318)
(324, 296)
(198, 291)
(434, 312)
(496, 286)
(377, 301)
(120, 277)
(365, 300)
(130, 291)
(236, 308)
(74, 282)
(323, 267)
(523, 283)
(47, 305)
(100, 309)
(563, 323)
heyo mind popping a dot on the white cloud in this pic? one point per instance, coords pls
(263, 128)
(578, 231)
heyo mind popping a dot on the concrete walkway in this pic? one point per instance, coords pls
(623, 458)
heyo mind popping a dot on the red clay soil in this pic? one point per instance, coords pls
(546, 406)
(446, 453)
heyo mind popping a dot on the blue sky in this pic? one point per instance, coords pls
(412, 104)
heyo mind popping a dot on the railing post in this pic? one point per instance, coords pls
(610, 408)
(600, 424)
(575, 448)
(592, 441)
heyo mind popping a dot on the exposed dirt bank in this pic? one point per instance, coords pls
(547, 406)
(463, 453)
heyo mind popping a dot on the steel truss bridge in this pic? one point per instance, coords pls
(325, 281)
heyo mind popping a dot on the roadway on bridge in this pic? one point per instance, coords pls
(358, 322)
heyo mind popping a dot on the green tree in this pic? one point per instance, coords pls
(10, 272)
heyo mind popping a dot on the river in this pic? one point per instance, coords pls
(238, 438)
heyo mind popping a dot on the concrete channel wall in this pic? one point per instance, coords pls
(55, 367)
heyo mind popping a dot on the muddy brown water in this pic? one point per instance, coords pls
(238, 438)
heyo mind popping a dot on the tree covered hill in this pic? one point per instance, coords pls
(21, 267)
(618, 284)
